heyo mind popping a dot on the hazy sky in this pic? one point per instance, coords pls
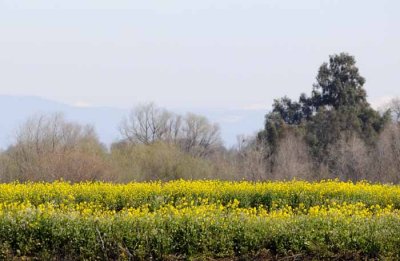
(207, 53)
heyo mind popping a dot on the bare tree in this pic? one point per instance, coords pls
(47, 147)
(250, 160)
(199, 136)
(386, 156)
(348, 159)
(394, 107)
(49, 133)
(147, 123)
(292, 159)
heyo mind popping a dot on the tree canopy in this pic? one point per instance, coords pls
(336, 107)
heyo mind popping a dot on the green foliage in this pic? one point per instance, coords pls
(57, 236)
(336, 108)
(204, 220)
(289, 111)
(339, 83)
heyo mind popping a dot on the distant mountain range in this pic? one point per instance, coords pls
(15, 109)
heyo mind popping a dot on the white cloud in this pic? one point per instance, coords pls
(379, 102)
(255, 107)
(82, 104)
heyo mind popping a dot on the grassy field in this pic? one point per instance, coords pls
(198, 220)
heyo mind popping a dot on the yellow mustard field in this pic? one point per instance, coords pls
(199, 219)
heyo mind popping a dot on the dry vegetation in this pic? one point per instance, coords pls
(48, 148)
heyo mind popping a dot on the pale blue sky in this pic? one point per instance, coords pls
(220, 53)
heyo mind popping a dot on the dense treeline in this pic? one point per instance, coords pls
(336, 128)
(333, 133)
